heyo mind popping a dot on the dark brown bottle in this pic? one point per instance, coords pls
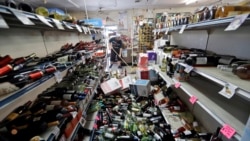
(14, 114)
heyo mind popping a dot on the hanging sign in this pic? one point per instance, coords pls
(236, 22)
(78, 28)
(22, 17)
(68, 26)
(167, 30)
(3, 23)
(58, 24)
(182, 29)
(45, 21)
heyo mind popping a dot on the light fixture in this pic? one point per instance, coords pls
(187, 2)
(76, 5)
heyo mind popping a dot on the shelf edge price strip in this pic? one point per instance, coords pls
(58, 24)
(22, 17)
(3, 23)
(42, 19)
(227, 131)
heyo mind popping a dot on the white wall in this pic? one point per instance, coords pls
(21, 42)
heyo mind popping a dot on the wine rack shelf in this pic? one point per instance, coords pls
(222, 78)
(222, 116)
(203, 25)
(13, 21)
(9, 102)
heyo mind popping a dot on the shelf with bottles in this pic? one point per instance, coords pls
(223, 22)
(78, 87)
(210, 105)
(22, 19)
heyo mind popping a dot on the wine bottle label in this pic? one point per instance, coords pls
(201, 60)
(12, 116)
(67, 96)
(109, 135)
(49, 107)
(146, 115)
(177, 108)
(195, 124)
(187, 132)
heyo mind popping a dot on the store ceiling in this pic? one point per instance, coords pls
(95, 5)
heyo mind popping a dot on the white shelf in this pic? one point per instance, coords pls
(222, 78)
(218, 113)
(211, 107)
(90, 124)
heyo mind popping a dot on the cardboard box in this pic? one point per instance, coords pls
(142, 60)
(111, 86)
(152, 57)
(140, 88)
(125, 81)
(142, 73)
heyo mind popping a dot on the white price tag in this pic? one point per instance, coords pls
(188, 69)
(236, 22)
(182, 29)
(68, 26)
(3, 23)
(42, 19)
(58, 76)
(84, 30)
(22, 17)
(82, 121)
(228, 90)
(58, 24)
(167, 30)
(78, 28)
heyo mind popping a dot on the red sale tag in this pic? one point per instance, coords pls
(177, 84)
(95, 126)
(97, 118)
(227, 131)
(193, 99)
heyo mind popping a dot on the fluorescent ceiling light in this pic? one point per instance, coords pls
(187, 2)
(76, 5)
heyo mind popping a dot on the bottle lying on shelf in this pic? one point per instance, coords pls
(15, 114)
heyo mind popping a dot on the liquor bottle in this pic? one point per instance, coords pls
(164, 65)
(243, 71)
(5, 60)
(202, 60)
(60, 102)
(14, 114)
(16, 64)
